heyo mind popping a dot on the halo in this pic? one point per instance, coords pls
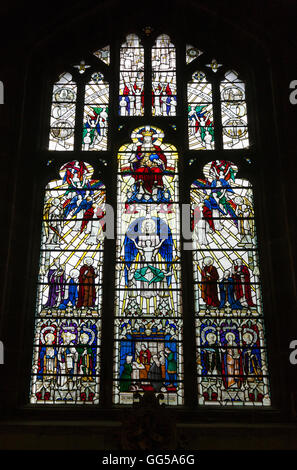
(252, 332)
(207, 259)
(90, 333)
(207, 330)
(230, 333)
(46, 328)
(138, 133)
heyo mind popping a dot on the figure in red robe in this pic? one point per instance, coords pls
(149, 164)
(209, 288)
(88, 215)
(145, 355)
(87, 291)
(241, 276)
(71, 168)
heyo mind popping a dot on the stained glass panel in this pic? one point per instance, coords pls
(62, 120)
(66, 355)
(231, 351)
(164, 77)
(103, 54)
(214, 65)
(234, 112)
(96, 113)
(148, 328)
(192, 53)
(131, 99)
(200, 113)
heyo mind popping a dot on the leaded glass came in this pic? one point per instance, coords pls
(148, 324)
(231, 351)
(66, 355)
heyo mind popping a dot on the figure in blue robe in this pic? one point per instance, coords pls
(166, 250)
(227, 293)
(84, 205)
(70, 206)
(72, 291)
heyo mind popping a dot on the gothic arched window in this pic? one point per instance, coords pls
(153, 129)
(66, 357)
(148, 317)
(231, 350)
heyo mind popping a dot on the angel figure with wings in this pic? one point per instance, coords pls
(148, 249)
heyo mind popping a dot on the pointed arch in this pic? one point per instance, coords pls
(131, 92)
(96, 111)
(232, 364)
(164, 99)
(66, 351)
(63, 110)
(234, 112)
(148, 318)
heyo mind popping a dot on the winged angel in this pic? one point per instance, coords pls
(148, 250)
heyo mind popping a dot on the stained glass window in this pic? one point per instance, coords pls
(214, 65)
(148, 323)
(131, 99)
(192, 53)
(66, 356)
(200, 113)
(103, 54)
(164, 77)
(96, 113)
(231, 351)
(234, 112)
(62, 120)
(148, 327)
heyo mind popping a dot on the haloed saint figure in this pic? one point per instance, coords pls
(148, 306)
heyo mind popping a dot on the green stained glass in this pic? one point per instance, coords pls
(200, 113)
(95, 129)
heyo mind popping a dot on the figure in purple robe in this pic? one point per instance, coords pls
(56, 281)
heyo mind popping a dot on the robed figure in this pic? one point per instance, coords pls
(155, 374)
(210, 355)
(125, 377)
(241, 276)
(227, 292)
(148, 164)
(56, 282)
(72, 290)
(209, 287)
(251, 354)
(148, 237)
(47, 355)
(86, 360)
(87, 291)
(232, 369)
